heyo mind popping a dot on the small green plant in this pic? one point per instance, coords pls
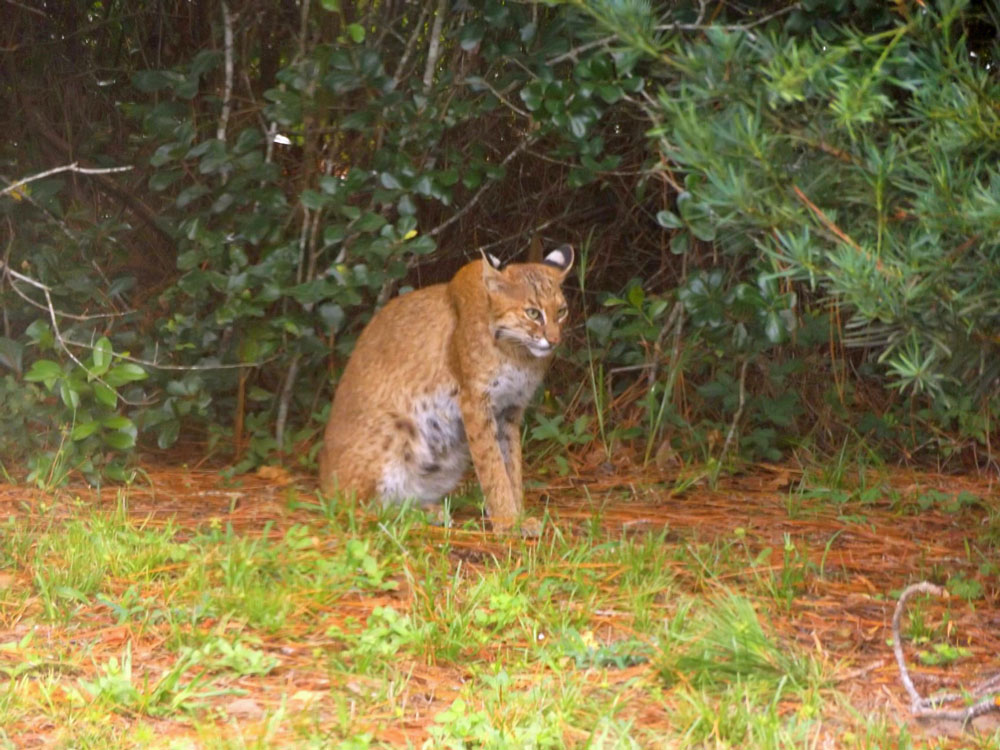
(502, 610)
(386, 633)
(724, 642)
(92, 393)
(947, 502)
(942, 653)
(116, 687)
(459, 727)
(969, 589)
(556, 431)
(787, 583)
(586, 652)
(221, 654)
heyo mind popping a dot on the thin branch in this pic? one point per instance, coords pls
(53, 317)
(479, 193)
(478, 251)
(74, 167)
(175, 368)
(227, 95)
(987, 691)
(434, 50)
(574, 53)
(739, 411)
(22, 6)
(21, 277)
(8, 271)
(503, 100)
(286, 396)
(65, 342)
(410, 46)
(699, 26)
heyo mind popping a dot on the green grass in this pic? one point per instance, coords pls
(332, 628)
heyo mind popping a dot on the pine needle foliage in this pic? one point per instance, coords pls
(854, 156)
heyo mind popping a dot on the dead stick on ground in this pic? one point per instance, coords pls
(987, 691)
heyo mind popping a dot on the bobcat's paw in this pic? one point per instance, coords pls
(530, 528)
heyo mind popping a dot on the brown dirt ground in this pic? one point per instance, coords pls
(844, 617)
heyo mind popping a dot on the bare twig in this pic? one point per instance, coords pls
(14, 275)
(479, 81)
(410, 46)
(64, 342)
(698, 25)
(74, 167)
(28, 8)
(479, 193)
(227, 94)
(434, 50)
(739, 411)
(574, 53)
(987, 691)
(478, 251)
(284, 400)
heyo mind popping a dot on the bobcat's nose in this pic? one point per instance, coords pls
(540, 347)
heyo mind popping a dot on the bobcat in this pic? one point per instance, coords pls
(442, 374)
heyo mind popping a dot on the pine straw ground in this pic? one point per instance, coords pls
(853, 551)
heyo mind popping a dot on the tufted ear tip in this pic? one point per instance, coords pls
(561, 258)
(492, 260)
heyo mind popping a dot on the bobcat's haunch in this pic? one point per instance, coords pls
(442, 375)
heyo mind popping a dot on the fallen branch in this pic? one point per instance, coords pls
(988, 691)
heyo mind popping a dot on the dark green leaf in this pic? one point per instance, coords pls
(105, 395)
(11, 354)
(101, 356)
(313, 200)
(45, 371)
(356, 32)
(153, 80)
(190, 194)
(84, 430)
(120, 441)
(69, 393)
(167, 435)
(125, 373)
(669, 220)
(470, 36)
(370, 222)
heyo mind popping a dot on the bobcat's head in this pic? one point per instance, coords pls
(527, 306)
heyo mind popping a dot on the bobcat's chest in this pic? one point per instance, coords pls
(434, 453)
(511, 388)
(434, 449)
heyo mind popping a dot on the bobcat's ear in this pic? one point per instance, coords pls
(492, 276)
(562, 258)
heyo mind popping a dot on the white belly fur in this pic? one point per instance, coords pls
(440, 453)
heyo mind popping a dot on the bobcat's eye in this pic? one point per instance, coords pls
(563, 312)
(533, 313)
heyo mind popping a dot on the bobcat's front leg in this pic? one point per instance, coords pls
(509, 436)
(502, 502)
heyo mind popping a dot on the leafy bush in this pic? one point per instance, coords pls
(842, 168)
